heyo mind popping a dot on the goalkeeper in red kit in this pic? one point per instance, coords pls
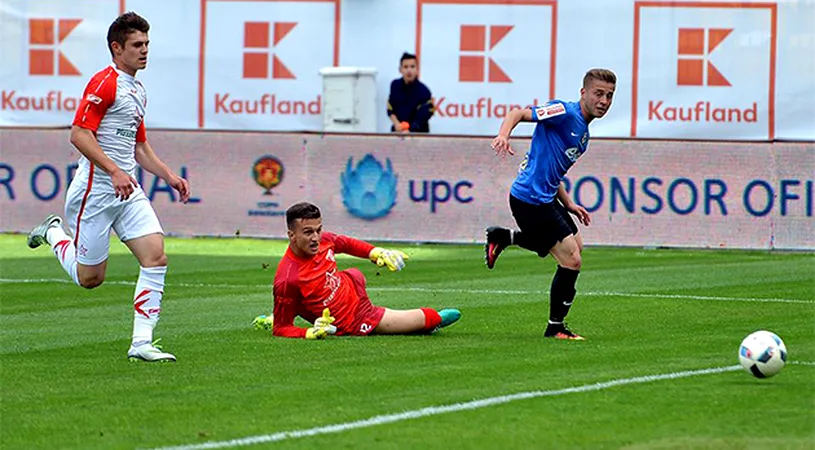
(308, 284)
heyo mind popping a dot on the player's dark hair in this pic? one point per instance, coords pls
(302, 210)
(125, 24)
(599, 74)
(405, 56)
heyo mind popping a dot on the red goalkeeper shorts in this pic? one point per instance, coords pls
(367, 315)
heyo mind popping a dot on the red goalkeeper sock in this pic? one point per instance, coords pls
(432, 319)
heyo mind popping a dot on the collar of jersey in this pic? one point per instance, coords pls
(121, 73)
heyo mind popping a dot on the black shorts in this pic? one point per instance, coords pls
(542, 225)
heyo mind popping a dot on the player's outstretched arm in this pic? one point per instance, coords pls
(501, 142)
(85, 141)
(148, 160)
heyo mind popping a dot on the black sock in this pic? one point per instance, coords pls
(520, 240)
(562, 293)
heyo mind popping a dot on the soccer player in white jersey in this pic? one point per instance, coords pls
(539, 202)
(108, 130)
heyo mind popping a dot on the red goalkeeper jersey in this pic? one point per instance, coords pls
(305, 286)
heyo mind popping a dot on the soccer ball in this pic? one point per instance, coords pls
(763, 354)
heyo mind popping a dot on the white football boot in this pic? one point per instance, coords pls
(149, 352)
(36, 237)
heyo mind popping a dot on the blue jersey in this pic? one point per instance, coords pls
(561, 136)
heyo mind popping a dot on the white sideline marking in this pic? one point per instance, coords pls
(446, 290)
(803, 363)
(436, 410)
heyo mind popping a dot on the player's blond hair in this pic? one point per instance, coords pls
(600, 75)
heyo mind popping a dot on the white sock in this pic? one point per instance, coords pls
(64, 249)
(147, 303)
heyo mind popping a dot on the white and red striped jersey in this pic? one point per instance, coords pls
(113, 107)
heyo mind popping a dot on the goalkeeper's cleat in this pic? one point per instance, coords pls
(145, 351)
(36, 237)
(560, 331)
(448, 317)
(263, 322)
(497, 240)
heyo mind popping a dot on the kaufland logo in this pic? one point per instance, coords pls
(44, 39)
(704, 69)
(474, 54)
(258, 53)
(260, 40)
(474, 61)
(261, 58)
(45, 35)
(694, 67)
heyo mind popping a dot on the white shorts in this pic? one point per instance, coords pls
(91, 219)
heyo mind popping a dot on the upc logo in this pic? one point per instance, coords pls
(369, 190)
(44, 38)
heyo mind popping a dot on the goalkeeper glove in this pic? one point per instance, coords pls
(322, 326)
(393, 259)
(316, 333)
(325, 322)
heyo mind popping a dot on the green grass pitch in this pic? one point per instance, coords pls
(66, 382)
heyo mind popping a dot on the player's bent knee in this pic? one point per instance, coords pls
(157, 261)
(573, 262)
(91, 281)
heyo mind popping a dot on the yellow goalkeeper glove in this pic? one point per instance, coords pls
(322, 326)
(393, 259)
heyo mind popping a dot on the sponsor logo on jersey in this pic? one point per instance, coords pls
(542, 112)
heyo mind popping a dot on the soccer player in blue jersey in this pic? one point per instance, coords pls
(539, 202)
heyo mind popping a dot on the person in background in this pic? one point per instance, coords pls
(410, 105)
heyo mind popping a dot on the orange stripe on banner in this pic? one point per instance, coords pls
(773, 36)
(201, 50)
(82, 207)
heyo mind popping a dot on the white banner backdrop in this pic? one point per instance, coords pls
(726, 70)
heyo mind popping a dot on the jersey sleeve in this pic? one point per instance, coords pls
(553, 111)
(349, 245)
(99, 95)
(284, 314)
(141, 133)
(285, 310)
(392, 97)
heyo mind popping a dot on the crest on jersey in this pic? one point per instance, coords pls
(330, 256)
(332, 282)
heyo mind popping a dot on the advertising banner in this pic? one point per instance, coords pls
(723, 70)
(260, 63)
(47, 63)
(441, 189)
